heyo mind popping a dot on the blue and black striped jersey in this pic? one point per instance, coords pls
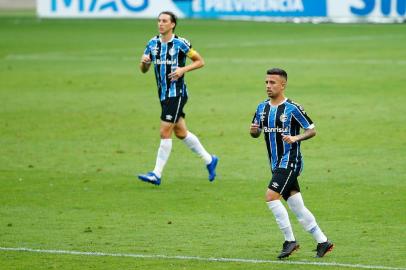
(286, 118)
(166, 58)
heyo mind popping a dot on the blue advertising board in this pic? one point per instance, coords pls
(282, 10)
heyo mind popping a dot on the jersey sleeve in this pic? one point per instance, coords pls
(186, 47)
(301, 116)
(147, 50)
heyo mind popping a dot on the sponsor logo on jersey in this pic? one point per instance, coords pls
(275, 130)
(165, 62)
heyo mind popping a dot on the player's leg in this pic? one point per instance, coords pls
(191, 140)
(164, 151)
(165, 147)
(194, 144)
(308, 221)
(168, 119)
(305, 217)
(281, 215)
(280, 177)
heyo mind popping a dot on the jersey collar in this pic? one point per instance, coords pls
(160, 38)
(270, 104)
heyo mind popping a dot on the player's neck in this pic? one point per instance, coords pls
(166, 37)
(277, 100)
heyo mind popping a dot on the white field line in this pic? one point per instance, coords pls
(69, 58)
(197, 258)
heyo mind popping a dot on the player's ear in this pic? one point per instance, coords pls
(284, 83)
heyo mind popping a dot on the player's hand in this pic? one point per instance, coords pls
(289, 139)
(254, 128)
(255, 131)
(176, 74)
(145, 59)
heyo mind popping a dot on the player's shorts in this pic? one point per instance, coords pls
(172, 109)
(284, 181)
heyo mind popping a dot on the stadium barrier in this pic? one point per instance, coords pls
(268, 10)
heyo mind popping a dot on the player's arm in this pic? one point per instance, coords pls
(145, 63)
(305, 122)
(307, 134)
(197, 62)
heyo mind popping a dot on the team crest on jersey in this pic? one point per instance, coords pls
(283, 118)
(172, 51)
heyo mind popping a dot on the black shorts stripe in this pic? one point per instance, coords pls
(287, 181)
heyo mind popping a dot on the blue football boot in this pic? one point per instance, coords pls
(212, 168)
(151, 178)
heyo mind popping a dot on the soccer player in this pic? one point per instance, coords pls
(281, 119)
(168, 52)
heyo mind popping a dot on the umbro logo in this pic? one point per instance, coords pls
(168, 117)
(275, 185)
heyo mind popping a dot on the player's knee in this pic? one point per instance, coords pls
(165, 132)
(295, 202)
(181, 137)
(180, 134)
(180, 131)
(271, 195)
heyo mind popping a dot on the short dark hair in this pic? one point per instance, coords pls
(277, 71)
(172, 15)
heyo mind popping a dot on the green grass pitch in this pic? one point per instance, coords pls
(78, 121)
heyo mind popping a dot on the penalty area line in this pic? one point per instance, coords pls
(195, 258)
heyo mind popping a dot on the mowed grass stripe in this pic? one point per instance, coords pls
(64, 57)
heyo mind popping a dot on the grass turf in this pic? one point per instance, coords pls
(78, 121)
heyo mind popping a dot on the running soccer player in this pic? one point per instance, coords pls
(168, 52)
(281, 120)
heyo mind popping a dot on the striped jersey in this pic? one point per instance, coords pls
(166, 58)
(287, 118)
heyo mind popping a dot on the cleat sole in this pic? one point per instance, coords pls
(287, 255)
(327, 251)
